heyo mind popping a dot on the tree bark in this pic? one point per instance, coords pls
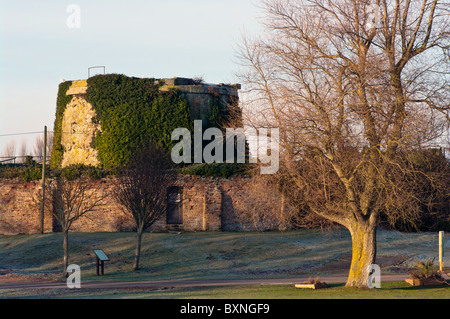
(363, 253)
(66, 251)
(398, 111)
(138, 249)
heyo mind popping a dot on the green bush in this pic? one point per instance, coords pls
(75, 171)
(29, 161)
(28, 171)
(31, 173)
(61, 103)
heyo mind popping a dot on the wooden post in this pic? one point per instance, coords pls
(100, 266)
(43, 179)
(441, 250)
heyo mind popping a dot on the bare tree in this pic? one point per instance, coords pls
(142, 189)
(354, 86)
(38, 148)
(49, 142)
(10, 150)
(23, 151)
(68, 201)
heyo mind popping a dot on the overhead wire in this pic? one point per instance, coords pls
(40, 132)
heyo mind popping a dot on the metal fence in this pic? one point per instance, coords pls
(16, 160)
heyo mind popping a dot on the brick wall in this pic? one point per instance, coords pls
(19, 210)
(209, 204)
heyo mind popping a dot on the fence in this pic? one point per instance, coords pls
(17, 160)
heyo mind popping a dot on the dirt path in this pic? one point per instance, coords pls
(182, 283)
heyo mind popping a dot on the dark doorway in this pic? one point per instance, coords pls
(174, 205)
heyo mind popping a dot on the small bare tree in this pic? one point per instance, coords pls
(23, 151)
(10, 150)
(49, 142)
(69, 200)
(38, 148)
(142, 189)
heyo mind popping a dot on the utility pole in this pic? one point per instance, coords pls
(43, 180)
(441, 250)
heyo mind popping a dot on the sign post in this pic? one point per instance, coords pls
(101, 258)
(441, 250)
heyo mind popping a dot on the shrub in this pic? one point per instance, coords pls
(31, 173)
(426, 269)
(61, 103)
(75, 171)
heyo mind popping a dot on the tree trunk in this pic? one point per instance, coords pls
(138, 249)
(363, 253)
(399, 111)
(66, 251)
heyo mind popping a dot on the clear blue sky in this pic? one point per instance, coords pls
(189, 38)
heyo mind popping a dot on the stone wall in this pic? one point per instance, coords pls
(78, 132)
(201, 96)
(19, 210)
(209, 204)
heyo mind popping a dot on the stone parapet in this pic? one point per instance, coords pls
(77, 87)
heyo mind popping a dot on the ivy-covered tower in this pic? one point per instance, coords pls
(101, 120)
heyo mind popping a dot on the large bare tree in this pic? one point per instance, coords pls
(142, 189)
(354, 86)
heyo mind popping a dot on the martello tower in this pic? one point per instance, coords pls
(99, 120)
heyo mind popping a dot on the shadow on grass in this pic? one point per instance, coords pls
(428, 287)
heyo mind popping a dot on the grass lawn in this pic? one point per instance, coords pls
(190, 255)
(215, 255)
(388, 290)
